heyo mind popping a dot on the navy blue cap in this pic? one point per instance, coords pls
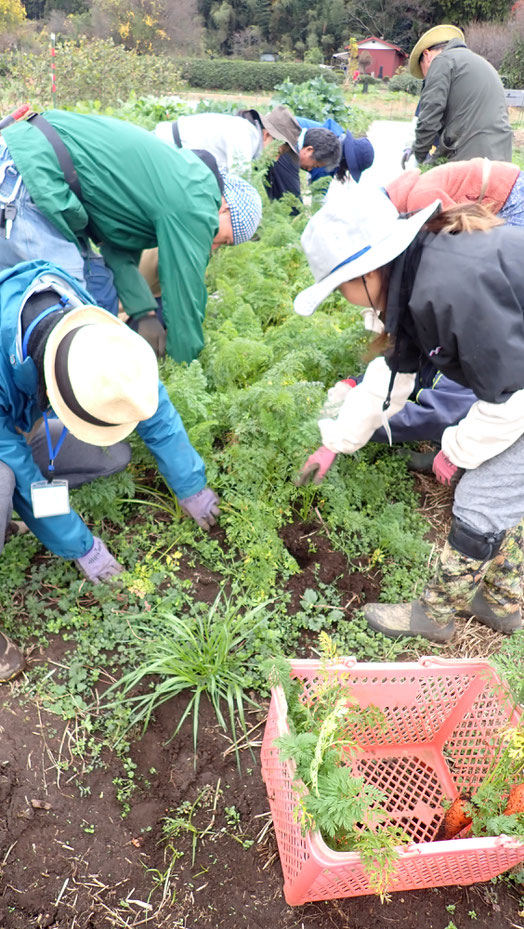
(358, 153)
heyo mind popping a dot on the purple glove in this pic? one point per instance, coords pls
(406, 155)
(445, 471)
(202, 506)
(316, 467)
(98, 564)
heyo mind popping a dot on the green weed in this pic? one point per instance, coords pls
(204, 654)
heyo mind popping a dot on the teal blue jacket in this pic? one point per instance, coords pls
(163, 433)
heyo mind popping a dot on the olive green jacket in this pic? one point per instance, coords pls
(137, 193)
(463, 103)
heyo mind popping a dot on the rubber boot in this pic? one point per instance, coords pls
(397, 620)
(432, 615)
(497, 602)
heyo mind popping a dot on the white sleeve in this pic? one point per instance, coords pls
(164, 132)
(361, 413)
(411, 133)
(486, 431)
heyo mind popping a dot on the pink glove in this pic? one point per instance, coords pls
(445, 471)
(202, 506)
(98, 564)
(316, 467)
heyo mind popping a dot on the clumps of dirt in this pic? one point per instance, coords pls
(314, 554)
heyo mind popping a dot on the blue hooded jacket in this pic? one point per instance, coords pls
(163, 433)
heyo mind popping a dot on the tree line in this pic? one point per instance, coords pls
(310, 30)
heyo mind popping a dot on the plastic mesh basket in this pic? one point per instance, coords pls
(441, 720)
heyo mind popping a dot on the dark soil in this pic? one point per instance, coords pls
(69, 859)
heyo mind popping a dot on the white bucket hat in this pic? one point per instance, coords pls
(101, 377)
(356, 231)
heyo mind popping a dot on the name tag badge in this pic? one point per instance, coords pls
(50, 498)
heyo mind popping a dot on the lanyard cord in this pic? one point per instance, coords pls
(62, 303)
(53, 452)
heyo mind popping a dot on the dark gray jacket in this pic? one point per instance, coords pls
(463, 102)
(464, 310)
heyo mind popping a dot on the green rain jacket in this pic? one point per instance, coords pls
(137, 192)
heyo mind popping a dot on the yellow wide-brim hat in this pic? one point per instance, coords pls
(101, 377)
(433, 36)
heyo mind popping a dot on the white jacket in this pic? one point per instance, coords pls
(487, 430)
(233, 140)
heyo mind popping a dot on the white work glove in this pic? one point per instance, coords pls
(98, 564)
(202, 506)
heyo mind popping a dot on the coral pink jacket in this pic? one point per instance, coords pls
(453, 183)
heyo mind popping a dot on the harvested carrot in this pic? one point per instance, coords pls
(515, 800)
(455, 819)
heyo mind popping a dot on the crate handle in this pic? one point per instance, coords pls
(434, 661)
(349, 662)
(507, 841)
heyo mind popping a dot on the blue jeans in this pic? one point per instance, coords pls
(513, 209)
(33, 236)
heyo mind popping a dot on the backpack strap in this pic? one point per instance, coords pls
(176, 134)
(64, 158)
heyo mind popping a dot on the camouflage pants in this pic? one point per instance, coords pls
(458, 577)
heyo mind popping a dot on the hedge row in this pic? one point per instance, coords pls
(233, 74)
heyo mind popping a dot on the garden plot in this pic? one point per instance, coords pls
(104, 826)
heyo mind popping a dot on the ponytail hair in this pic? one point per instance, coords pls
(464, 217)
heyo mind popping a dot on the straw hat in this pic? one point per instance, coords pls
(356, 231)
(282, 125)
(101, 378)
(433, 36)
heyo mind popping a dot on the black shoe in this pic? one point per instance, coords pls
(11, 659)
(418, 461)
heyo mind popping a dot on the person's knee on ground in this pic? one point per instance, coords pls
(78, 463)
(11, 658)
(7, 488)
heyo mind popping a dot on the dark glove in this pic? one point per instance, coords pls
(316, 467)
(406, 155)
(152, 330)
(202, 506)
(445, 471)
(98, 564)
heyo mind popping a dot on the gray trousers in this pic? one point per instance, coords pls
(76, 462)
(491, 498)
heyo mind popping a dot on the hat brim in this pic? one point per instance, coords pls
(279, 135)
(443, 33)
(79, 428)
(379, 255)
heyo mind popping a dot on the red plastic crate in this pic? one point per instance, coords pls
(441, 722)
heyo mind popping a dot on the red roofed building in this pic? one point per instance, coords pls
(384, 55)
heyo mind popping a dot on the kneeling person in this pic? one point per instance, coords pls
(61, 355)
